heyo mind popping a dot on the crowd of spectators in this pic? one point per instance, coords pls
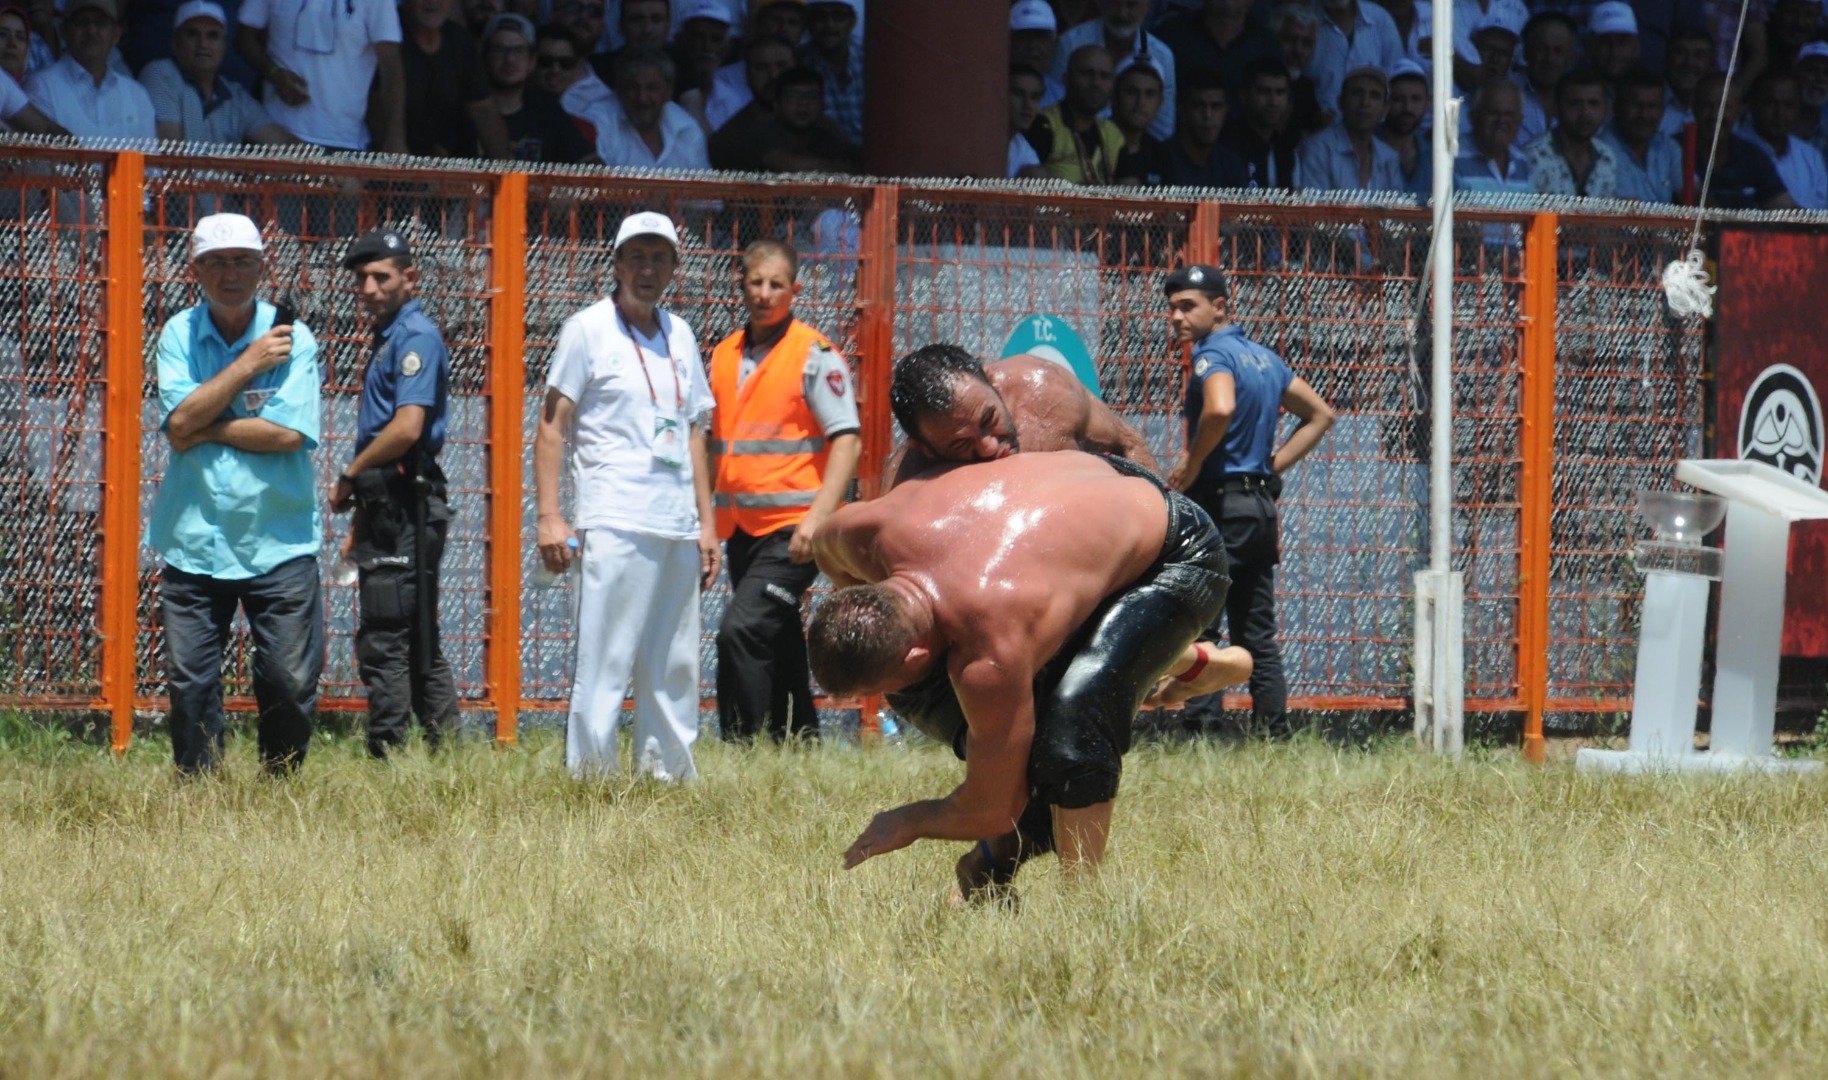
(1610, 99)
(1575, 97)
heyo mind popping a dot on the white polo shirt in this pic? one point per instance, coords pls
(117, 109)
(12, 97)
(618, 391)
(682, 142)
(330, 43)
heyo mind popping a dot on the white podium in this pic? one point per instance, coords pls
(1761, 504)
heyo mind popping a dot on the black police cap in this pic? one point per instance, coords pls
(379, 244)
(1199, 276)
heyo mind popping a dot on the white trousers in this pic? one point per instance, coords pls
(637, 624)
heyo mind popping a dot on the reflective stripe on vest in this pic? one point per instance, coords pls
(768, 446)
(765, 500)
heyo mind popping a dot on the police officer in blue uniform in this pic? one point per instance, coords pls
(1233, 468)
(397, 491)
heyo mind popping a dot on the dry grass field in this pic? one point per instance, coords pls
(1280, 910)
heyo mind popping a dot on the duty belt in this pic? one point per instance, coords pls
(1247, 482)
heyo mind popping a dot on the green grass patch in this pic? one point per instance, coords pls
(1289, 910)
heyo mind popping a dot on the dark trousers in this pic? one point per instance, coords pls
(1248, 523)
(285, 612)
(763, 684)
(397, 644)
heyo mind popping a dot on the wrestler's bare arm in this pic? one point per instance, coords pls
(997, 693)
(1107, 433)
(1055, 397)
(840, 547)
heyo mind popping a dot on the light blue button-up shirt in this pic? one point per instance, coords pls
(1656, 180)
(1326, 161)
(228, 513)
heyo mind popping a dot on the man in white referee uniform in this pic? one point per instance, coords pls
(627, 386)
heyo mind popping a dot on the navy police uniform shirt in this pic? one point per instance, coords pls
(1260, 377)
(410, 366)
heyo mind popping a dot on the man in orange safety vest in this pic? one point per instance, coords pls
(786, 439)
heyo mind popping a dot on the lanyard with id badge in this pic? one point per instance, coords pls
(669, 429)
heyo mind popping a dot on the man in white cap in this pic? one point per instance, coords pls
(190, 101)
(1812, 75)
(1034, 38)
(235, 518)
(1612, 40)
(82, 92)
(627, 387)
(1120, 31)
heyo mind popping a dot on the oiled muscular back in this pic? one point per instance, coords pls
(1049, 406)
(1026, 546)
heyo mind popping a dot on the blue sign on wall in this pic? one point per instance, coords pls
(1053, 338)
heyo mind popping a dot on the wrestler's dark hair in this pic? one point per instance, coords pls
(857, 639)
(922, 383)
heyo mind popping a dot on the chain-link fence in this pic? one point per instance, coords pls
(1337, 289)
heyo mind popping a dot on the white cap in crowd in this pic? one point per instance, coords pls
(715, 10)
(1407, 69)
(1507, 19)
(198, 9)
(1815, 50)
(1612, 17)
(224, 232)
(1033, 15)
(645, 223)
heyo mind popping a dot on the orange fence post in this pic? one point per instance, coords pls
(1536, 484)
(876, 330)
(507, 407)
(1203, 234)
(121, 435)
(876, 365)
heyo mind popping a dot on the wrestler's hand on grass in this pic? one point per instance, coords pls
(887, 832)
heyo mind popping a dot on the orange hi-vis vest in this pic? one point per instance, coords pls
(771, 452)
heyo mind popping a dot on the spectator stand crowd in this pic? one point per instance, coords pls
(1567, 97)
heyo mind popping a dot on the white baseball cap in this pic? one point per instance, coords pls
(1406, 69)
(1815, 50)
(646, 223)
(1505, 19)
(224, 232)
(198, 9)
(1033, 15)
(715, 10)
(1612, 17)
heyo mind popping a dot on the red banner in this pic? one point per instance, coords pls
(1771, 368)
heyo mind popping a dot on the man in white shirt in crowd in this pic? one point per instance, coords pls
(1120, 31)
(1568, 159)
(332, 68)
(1550, 48)
(1650, 162)
(1349, 156)
(1688, 60)
(1776, 100)
(560, 69)
(190, 101)
(1354, 34)
(1488, 161)
(650, 132)
(627, 387)
(81, 92)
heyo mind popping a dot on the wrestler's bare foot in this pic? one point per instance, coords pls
(1224, 667)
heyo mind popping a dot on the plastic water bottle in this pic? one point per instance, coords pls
(344, 573)
(545, 578)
